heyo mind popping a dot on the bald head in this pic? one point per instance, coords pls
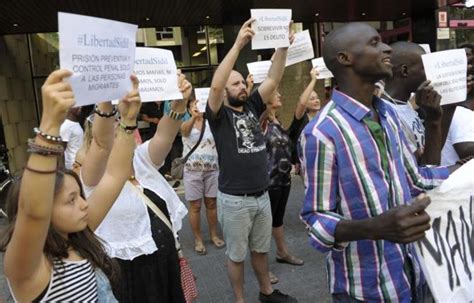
(404, 52)
(339, 40)
(408, 71)
(356, 48)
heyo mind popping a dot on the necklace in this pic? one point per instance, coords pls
(393, 100)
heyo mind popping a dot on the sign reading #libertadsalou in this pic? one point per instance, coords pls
(320, 65)
(202, 94)
(157, 72)
(447, 71)
(259, 70)
(301, 49)
(272, 27)
(446, 253)
(100, 53)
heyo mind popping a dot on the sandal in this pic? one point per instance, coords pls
(218, 242)
(200, 249)
(289, 259)
(273, 278)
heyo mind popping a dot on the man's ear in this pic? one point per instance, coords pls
(344, 58)
(404, 70)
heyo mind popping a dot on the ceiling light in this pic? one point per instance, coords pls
(15, 24)
(317, 14)
(208, 17)
(196, 54)
(404, 14)
(363, 14)
(204, 48)
(147, 19)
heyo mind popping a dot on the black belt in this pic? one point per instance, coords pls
(255, 194)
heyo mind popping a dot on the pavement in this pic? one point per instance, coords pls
(307, 283)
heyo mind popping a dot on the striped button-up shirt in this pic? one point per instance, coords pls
(356, 168)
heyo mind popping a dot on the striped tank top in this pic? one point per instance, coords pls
(71, 281)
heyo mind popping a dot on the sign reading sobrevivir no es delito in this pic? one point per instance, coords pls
(272, 28)
(100, 53)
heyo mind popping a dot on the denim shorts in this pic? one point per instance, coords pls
(246, 223)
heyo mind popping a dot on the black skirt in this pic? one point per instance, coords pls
(155, 277)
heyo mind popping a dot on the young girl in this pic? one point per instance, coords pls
(51, 253)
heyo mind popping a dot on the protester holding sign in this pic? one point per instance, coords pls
(306, 109)
(409, 77)
(243, 204)
(50, 236)
(140, 241)
(361, 177)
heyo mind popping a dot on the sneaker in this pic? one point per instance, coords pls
(276, 297)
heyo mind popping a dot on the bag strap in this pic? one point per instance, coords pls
(185, 158)
(157, 211)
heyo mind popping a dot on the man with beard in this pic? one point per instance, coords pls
(243, 204)
(361, 176)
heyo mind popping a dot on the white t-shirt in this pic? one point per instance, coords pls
(72, 133)
(460, 130)
(204, 158)
(413, 121)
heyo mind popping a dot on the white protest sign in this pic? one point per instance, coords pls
(301, 49)
(100, 53)
(156, 70)
(202, 94)
(446, 253)
(447, 71)
(320, 66)
(259, 70)
(272, 28)
(426, 47)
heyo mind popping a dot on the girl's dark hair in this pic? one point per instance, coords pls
(85, 242)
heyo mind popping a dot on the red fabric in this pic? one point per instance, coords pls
(188, 282)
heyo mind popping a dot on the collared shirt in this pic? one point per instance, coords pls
(356, 168)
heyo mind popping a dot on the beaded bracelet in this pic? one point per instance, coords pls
(127, 129)
(175, 115)
(105, 114)
(42, 150)
(45, 136)
(43, 172)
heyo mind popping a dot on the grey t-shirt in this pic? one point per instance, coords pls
(240, 147)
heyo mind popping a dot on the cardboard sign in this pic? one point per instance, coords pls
(320, 66)
(301, 49)
(100, 53)
(202, 94)
(271, 28)
(259, 70)
(446, 253)
(447, 71)
(156, 70)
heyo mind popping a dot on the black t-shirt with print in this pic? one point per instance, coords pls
(241, 147)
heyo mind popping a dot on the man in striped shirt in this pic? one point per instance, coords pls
(361, 178)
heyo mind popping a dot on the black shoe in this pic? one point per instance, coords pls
(276, 297)
(176, 184)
